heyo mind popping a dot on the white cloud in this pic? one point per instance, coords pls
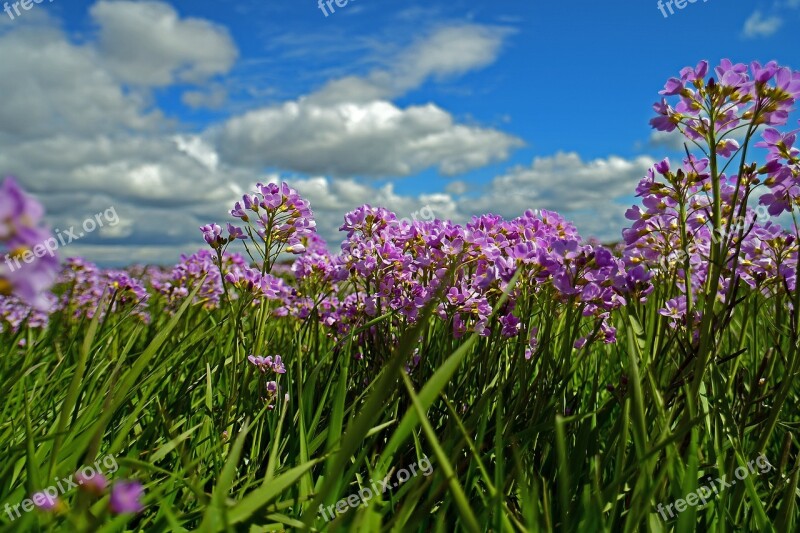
(451, 51)
(456, 187)
(211, 98)
(759, 25)
(331, 199)
(374, 139)
(147, 43)
(445, 52)
(51, 86)
(198, 149)
(672, 140)
(594, 194)
(81, 128)
(675, 140)
(350, 128)
(147, 168)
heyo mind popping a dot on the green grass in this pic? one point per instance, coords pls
(589, 440)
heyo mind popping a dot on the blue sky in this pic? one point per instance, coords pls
(168, 110)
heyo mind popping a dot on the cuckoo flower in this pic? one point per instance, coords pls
(264, 364)
(126, 497)
(46, 502)
(782, 171)
(25, 272)
(88, 285)
(95, 484)
(694, 217)
(277, 220)
(739, 94)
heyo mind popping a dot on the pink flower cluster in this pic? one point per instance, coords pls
(91, 290)
(390, 266)
(22, 234)
(690, 212)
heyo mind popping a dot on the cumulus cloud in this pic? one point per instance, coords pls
(81, 127)
(349, 127)
(199, 150)
(151, 169)
(591, 193)
(51, 86)
(444, 52)
(456, 187)
(83, 130)
(373, 139)
(147, 43)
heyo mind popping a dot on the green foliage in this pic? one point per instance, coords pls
(570, 440)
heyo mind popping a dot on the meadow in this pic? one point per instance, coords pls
(501, 375)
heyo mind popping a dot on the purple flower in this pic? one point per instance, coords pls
(193, 269)
(268, 363)
(126, 497)
(24, 274)
(96, 484)
(727, 147)
(235, 232)
(694, 74)
(667, 120)
(731, 75)
(282, 220)
(673, 86)
(262, 363)
(212, 234)
(17, 209)
(674, 309)
(45, 502)
(88, 284)
(511, 325)
(297, 249)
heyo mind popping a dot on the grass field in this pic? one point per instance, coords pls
(495, 376)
